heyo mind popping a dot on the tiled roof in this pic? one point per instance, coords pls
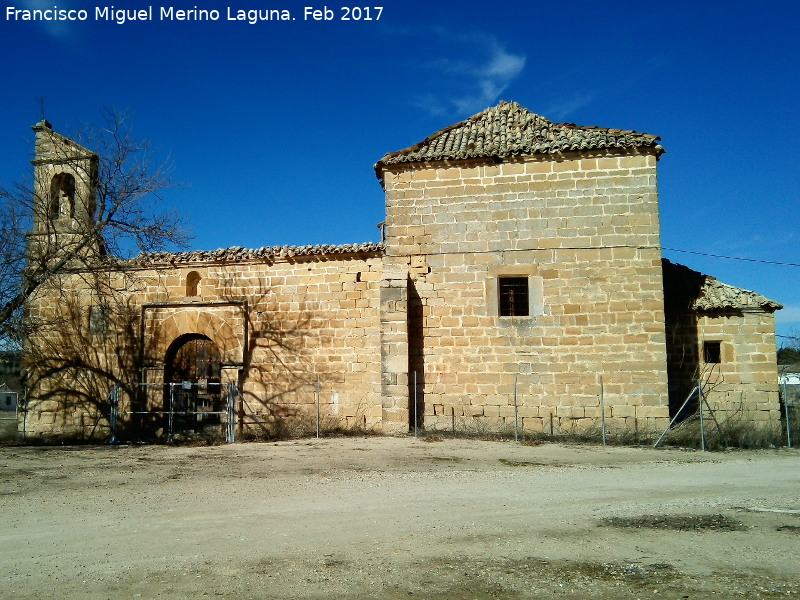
(685, 288)
(237, 253)
(508, 129)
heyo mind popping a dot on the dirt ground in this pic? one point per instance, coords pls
(397, 518)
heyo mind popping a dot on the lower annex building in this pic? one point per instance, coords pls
(517, 253)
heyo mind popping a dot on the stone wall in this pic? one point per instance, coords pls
(584, 232)
(745, 381)
(280, 325)
(725, 337)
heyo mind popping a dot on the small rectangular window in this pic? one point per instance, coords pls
(513, 296)
(712, 352)
(98, 320)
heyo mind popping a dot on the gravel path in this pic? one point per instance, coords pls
(397, 517)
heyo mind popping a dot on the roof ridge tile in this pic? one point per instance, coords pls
(237, 253)
(509, 129)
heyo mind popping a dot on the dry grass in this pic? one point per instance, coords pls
(734, 432)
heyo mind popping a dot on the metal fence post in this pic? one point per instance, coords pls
(113, 398)
(171, 410)
(231, 430)
(788, 410)
(24, 412)
(602, 409)
(415, 404)
(700, 406)
(516, 411)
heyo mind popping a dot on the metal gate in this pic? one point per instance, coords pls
(187, 414)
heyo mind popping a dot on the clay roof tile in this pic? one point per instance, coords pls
(509, 129)
(685, 288)
(237, 253)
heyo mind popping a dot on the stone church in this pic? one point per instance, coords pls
(519, 279)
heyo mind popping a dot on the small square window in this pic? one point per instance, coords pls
(513, 297)
(712, 352)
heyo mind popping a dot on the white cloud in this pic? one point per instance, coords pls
(474, 81)
(57, 29)
(561, 110)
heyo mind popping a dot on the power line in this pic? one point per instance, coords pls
(755, 260)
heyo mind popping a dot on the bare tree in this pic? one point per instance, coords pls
(74, 362)
(118, 217)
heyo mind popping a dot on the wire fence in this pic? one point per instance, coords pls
(9, 425)
(178, 412)
(239, 416)
(259, 418)
(9, 414)
(702, 421)
(213, 411)
(790, 403)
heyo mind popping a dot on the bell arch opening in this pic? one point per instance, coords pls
(62, 196)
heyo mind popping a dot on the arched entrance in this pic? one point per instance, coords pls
(194, 396)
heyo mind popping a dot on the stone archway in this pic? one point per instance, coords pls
(224, 325)
(192, 370)
(165, 331)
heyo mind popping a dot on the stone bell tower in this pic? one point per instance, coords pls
(65, 180)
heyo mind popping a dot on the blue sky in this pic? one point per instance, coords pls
(273, 128)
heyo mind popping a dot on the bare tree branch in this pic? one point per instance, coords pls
(125, 218)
